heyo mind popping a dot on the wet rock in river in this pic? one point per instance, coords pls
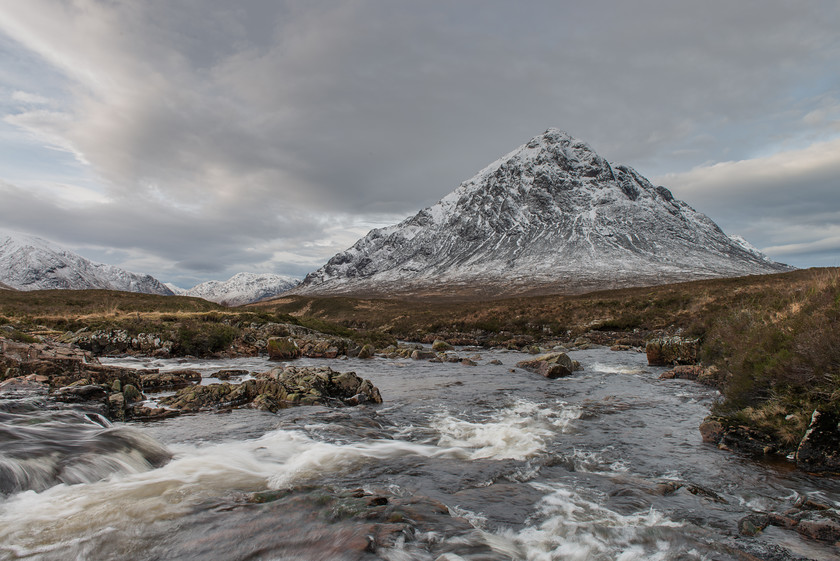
(279, 387)
(551, 365)
(172, 380)
(816, 523)
(367, 351)
(819, 450)
(441, 346)
(227, 374)
(418, 354)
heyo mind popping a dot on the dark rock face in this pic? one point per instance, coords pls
(669, 351)
(728, 436)
(819, 450)
(551, 216)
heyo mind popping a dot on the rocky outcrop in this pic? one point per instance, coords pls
(811, 520)
(551, 365)
(118, 341)
(63, 375)
(819, 450)
(73, 376)
(172, 380)
(728, 435)
(707, 375)
(670, 351)
(283, 348)
(278, 388)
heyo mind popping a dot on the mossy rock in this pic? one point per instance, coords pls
(441, 346)
(283, 348)
(132, 394)
(367, 351)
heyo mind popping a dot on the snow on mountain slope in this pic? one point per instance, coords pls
(30, 263)
(550, 217)
(176, 290)
(243, 288)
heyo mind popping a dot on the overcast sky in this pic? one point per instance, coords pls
(194, 139)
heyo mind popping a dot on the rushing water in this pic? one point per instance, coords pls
(607, 464)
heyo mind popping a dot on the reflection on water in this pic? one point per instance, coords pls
(460, 462)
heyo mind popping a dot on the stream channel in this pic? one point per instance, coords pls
(485, 462)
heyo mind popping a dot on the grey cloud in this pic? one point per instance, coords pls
(249, 124)
(787, 203)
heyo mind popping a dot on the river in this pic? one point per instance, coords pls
(607, 464)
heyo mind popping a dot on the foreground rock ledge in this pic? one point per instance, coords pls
(63, 376)
(278, 388)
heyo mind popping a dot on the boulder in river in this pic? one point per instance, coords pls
(551, 365)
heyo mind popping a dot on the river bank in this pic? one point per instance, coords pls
(459, 462)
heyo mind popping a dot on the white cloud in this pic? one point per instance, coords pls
(792, 196)
(29, 98)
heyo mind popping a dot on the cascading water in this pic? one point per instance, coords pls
(460, 462)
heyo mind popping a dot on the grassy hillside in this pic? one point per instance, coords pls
(689, 306)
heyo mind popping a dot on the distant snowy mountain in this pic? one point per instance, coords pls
(176, 290)
(30, 263)
(243, 288)
(550, 217)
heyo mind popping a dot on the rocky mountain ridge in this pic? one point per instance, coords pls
(31, 263)
(550, 217)
(242, 288)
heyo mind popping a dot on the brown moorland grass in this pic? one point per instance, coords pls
(775, 338)
(690, 306)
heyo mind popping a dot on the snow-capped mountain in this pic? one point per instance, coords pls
(550, 217)
(243, 288)
(31, 263)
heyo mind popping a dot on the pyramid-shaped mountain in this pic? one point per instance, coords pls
(550, 217)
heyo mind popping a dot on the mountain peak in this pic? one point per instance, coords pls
(243, 288)
(31, 263)
(552, 216)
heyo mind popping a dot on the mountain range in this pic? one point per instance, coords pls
(550, 217)
(31, 263)
(242, 288)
